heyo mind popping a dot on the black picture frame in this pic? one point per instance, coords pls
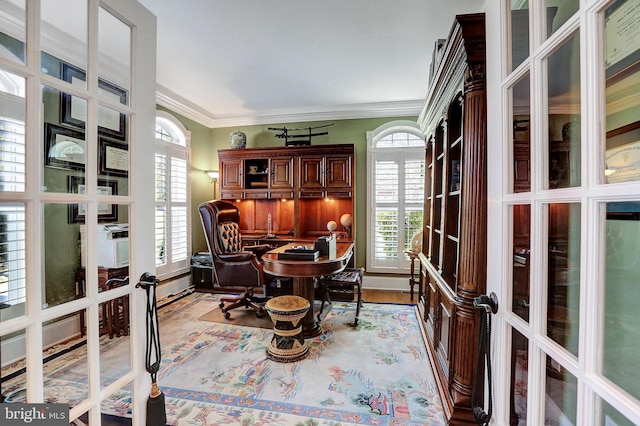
(623, 210)
(113, 158)
(64, 148)
(106, 212)
(110, 122)
(622, 67)
(621, 155)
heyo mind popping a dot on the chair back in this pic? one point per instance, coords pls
(232, 266)
(220, 224)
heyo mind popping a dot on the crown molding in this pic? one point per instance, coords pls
(182, 106)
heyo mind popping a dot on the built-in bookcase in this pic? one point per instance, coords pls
(453, 257)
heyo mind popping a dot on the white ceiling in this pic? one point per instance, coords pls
(238, 62)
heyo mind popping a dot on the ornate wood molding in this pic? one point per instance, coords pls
(461, 71)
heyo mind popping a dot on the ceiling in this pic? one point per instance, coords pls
(238, 62)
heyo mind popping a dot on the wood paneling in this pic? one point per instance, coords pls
(453, 261)
(307, 187)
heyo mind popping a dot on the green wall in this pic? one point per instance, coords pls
(61, 238)
(206, 142)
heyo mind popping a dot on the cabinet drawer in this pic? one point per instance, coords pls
(231, 195)
(339, 193)
(280, 194)
(311, 194)
(256, 195)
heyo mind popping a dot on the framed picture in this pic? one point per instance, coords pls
(622, 47)
(64, 148)
(622, 158)
(113, 158)
(73, 111)
(623, 210)
(106, 212)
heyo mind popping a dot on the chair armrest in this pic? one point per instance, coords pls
(258, 249)
(241, 256)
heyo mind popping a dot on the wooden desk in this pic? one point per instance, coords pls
(303, 273)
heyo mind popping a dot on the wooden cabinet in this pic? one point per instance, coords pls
(326, 176)
(453, 257)
(253, 178)
(281, 175)
(231, 182)
(302, 188)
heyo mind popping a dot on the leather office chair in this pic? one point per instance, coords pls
(233, 265)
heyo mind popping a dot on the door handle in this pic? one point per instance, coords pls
(487, 302)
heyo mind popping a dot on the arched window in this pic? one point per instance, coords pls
(173, 215)
(395, 194)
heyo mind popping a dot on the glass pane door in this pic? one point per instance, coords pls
(66, 331)
(564, 191)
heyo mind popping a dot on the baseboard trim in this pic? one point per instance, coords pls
(373, 282)
(172, 287)
(376, 282)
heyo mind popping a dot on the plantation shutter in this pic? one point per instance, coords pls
(12, 215)
(386, 210)
(413, 199)
(12, 253)
(161, 211)
(179, 219)
(395, 197)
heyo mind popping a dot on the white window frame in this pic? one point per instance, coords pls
(180, 149)
(401, 264)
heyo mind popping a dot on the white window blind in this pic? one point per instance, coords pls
(161, 217)
(413, 199)
(11, 155)
(396, 198)
(179, 217)
(12, 253)
(12, 215)
(172, 212)
(386, 210)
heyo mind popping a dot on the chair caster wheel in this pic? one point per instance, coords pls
(227, 315)
(355, 322)
(221, 305)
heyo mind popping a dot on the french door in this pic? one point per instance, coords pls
(564, 210)
(77, 102)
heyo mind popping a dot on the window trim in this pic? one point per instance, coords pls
(174, 269)
(382, 131)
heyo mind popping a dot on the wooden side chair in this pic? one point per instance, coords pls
(348, 282)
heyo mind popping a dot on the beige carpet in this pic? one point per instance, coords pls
(248, 318)
(240, 316)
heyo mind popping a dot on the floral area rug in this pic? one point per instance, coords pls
(377, 373)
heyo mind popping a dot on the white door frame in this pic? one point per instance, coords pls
(591, 195)
(141, 112)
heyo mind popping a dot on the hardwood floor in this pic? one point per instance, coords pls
(368, 295)
(388, 296)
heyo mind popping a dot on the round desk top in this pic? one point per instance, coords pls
(307, 268)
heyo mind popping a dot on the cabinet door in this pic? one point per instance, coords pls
(231, 175)
(338, 172)
(311, 172)
(281, 173)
